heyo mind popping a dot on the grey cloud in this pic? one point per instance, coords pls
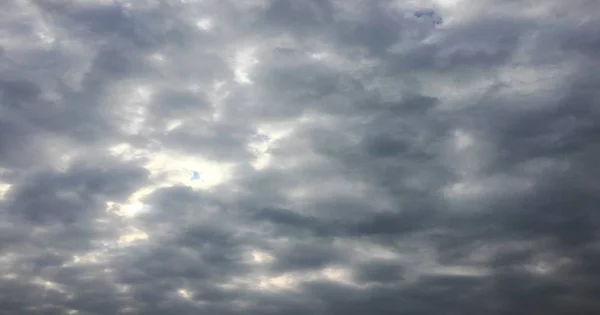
(303, 17)
(426, 168)
(379, 271)
(174, 103)
(17, 142)
(310, 254)
(218, 141)
(50, 197)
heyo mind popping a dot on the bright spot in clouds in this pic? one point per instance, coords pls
(205, 24)
(463, 140)
(260, 257)
(173, 167)
(448, 3)
(186, 294)
(3, 189)
(244, 61)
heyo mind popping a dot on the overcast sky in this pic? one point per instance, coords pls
(292, 157)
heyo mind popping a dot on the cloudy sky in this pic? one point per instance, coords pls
(405, 157)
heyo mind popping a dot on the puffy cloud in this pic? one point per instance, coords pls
(293, 157)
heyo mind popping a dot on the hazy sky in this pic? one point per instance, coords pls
(292, 157)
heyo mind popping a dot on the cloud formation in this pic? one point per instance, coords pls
(299, 157)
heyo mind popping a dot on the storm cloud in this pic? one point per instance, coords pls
(299, 157)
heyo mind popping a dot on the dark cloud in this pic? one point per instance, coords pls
(303, 17)
(383, 157)
(77, 193)
(379, 272)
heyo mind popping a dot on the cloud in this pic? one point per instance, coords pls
(293, 157)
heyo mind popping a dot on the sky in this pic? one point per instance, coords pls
(322, 157)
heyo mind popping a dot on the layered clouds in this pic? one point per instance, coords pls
(299, 157)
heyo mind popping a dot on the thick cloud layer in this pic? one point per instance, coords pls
(299, 157)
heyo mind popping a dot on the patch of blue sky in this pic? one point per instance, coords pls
(436, 19)
(195, 176)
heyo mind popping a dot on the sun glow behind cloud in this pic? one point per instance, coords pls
(244, 61)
